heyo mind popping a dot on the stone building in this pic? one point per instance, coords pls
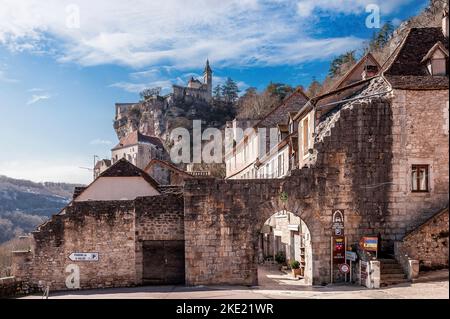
(139, 149)
(250, 146)
(376, 150)
(166, 173)
(195, 88)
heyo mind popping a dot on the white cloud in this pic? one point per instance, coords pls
(131, 87)
(4, 78)
(99, 141)
(306, 8)
(172, 33)
(38, 97)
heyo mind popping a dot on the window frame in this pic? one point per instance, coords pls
(416, 182)
(305, 136)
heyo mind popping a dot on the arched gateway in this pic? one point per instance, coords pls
(223, 222)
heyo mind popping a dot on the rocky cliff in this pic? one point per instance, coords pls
(157, 116)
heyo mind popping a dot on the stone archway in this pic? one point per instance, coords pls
(284, 236)
(223, 220)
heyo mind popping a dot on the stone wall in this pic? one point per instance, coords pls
(429, 243)
(420, 136)
(106, 228)
(352, 173)
(157, 218)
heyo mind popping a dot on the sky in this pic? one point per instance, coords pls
(64, 64)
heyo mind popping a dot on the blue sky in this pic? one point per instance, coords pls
(63, 64)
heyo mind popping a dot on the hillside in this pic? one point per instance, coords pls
(25, 204)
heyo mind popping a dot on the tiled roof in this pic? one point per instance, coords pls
(278, 115)
(123, 168)
(417, 44)
(136, 137)
(364, 59)
(418, 82)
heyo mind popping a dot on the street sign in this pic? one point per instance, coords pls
(338, 249)
(83, 256)
(350, 255)
(344, 268)
(369, 243)
(338, 222)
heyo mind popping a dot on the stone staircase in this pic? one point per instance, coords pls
(391, 272)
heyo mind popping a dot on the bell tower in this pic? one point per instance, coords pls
(207, 79)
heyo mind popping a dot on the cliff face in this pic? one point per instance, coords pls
(158, 116)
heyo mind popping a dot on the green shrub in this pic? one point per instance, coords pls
(280, 257)
(295, 264)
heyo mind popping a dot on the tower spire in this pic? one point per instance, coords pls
(207, 67)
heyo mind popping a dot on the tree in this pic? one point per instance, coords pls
(217, 92)
(382, 37)
(147, 93)
(280, 90)
(314, 88)
(343, 61)
(230, 91)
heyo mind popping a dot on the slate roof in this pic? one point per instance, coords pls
(405, 70)
(135, 138)
(278, 115)
(123, 168)
(418, 82)
(364, 59)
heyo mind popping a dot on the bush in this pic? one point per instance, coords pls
(280, 257)
(295, 264)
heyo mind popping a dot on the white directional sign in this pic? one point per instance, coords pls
(350, 255)
(84, 257)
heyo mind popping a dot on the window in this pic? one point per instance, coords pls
(305, 137)
(420, 178)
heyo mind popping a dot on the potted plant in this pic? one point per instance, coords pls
(296, 270)
(280, 257)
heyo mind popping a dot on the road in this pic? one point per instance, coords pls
(279, 288)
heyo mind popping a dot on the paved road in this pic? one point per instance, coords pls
(437, 289)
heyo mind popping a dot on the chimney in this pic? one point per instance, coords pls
(445, 23)
(369, 71)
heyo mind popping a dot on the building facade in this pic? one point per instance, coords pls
(376, 150)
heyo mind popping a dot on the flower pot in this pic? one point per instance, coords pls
(296, 272)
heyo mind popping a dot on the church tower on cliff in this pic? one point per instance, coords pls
(207, 79)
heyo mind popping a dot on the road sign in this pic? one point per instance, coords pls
(338, 249)
(344, 268)
(350, 255)
(369, 243)
(338, 222)
(83, 256)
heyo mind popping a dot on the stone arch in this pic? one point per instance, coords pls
(267, 209)
(223, 219)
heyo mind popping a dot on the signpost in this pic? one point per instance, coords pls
(338, 222)
(83, 256)
(338, 244)
(344, 268)
(369, 244)
(362, 271)
(351, 256)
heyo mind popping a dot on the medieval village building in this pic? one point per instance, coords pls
(371, 156)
